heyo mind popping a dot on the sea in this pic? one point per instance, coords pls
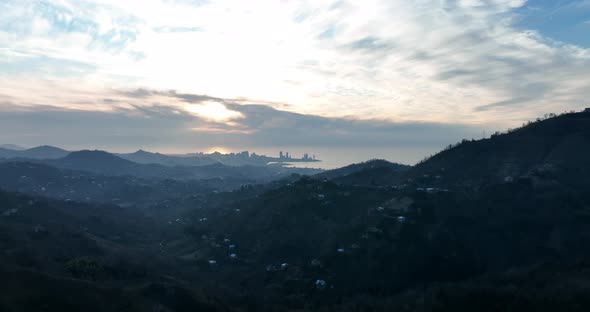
(332, 158)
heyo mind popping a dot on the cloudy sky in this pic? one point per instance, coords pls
(395, 79)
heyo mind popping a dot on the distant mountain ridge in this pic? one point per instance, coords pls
(39, 152)
(12, 147)
(145, 157)
(141, 156)
(107, 164)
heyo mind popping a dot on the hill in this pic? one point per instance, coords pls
(556, 150)
(70, 256)
(103, 163)
(12, 147)
(372, 172)
(144, 157)
(149, 194)
(40, 152)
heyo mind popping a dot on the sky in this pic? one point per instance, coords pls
(338, 78)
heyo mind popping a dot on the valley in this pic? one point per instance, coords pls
(499, 224)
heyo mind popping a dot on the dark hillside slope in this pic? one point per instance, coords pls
(555, 149)
(70, 256)
(374, 240)
(43, 180)
(108, 164)
(361, 244)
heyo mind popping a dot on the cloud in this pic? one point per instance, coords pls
(260, 127)
(438, 62)
(371, 44)
(276, 128)
(511, 102)
(168, 29)
(142, 93)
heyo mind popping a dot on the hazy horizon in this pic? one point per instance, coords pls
(330, 158)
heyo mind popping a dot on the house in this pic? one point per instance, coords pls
(320, 284)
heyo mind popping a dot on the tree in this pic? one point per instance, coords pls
(85, 268)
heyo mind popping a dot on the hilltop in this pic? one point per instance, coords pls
(39, 152)
(557, 148)
(372, 172)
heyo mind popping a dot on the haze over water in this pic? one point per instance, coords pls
(339, 157)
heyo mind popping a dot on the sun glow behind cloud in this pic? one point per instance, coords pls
(214, 111)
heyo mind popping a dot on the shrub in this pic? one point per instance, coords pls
(85, 268)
